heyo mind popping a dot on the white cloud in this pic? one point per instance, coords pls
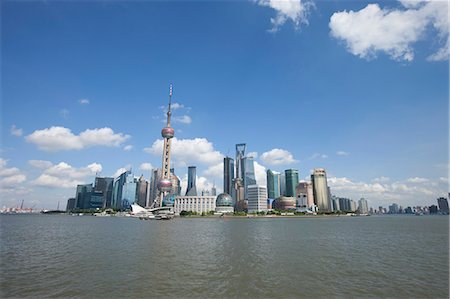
(215, 171)
(277, 156)
(16, 131)
(342, 153)
(184, 119)
(417, 180)
(41, 164)
(253, 154)
(83, 101)
(128, 147)
(176, 106)
(189, 151)
(146, 166)
(318, 155)
(63, 175)
(392, 31)
(10, 177)
(260, 174)
(295, 10)
(61, 138)
(381, 179)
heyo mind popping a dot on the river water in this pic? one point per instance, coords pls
(61, 256)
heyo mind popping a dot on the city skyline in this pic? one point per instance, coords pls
(301, 96)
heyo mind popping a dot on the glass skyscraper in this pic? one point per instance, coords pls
(291, 176)
(320, 190)
(273, 184)
(228, 175)
(248, 173)
(191, 189)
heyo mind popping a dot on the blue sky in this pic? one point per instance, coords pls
(359, 88)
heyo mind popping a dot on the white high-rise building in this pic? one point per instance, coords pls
(198, 204)
(363, 206)
(257, 198)
(320, 190)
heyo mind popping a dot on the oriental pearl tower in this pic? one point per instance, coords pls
(165, 184)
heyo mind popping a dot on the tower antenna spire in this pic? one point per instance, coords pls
(169, 112)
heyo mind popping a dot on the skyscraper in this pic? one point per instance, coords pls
(191, 189)
(116, 202)
(443, 205)
(257, 198)
(153, 190)
(291, 181)
(142, 188)
(129, 191)
(105, 186)
(320, 190)
(176, 186)
(273, 184)
(282, 184)
(228, 175)
(363, 207)
(238, 183)
(83, 196)
(248, 174)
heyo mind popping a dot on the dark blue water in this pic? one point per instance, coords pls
(63, 256)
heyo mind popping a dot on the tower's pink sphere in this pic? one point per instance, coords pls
(168, 132)
(165, 185)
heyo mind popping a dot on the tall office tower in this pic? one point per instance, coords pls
(176, 186)
(191, 189)
(273, 184)
(70, 204)
(165, 183)
(301, 193)
(228, 175)
(153, 189)
(116, 202)
(363, 206)
(353, 205)
(282, 184)
(320, 190)
(248, 174)
(257, 198)
(310, 195)
(105, 185)
(291, 181)
(129, 192)
(344, 204)
(238, 182)
(142, 187)
(213, 190)
(83, 196)
(335, 203)
(443, 205)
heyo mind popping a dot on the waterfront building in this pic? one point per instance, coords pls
(191, 189)
(248, 174)
(335, 203)
(105, 186)
(291, 177)
(284, 203)
(393, 209)
(198, 204)
(257, 199)
(176, 185)
(443, 205)
(224, 203)
(238, 182)
(129, 191)
(433, 209)
(363, 206)
(353, 205)
(273, 184)
(344, 204)
(153, 189)
(70, 204)
(228, 175)
(83, 196)
(116, 202)
(301, 193)
(320, 190)
(142, 189)
(213, 190)
(96, 200)
(310, 195)
(282, 184)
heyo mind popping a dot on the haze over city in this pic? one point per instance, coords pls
(84, 89)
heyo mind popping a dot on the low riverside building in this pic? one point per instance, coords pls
(198, 204)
